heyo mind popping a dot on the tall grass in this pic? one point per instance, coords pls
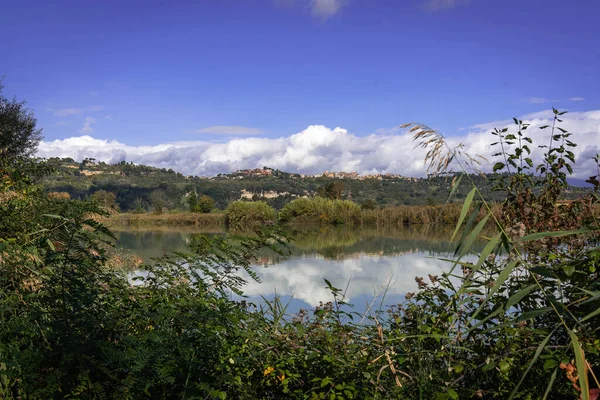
(166, 219)
(240, 214)
(401, 216)
(327, 211)
(321, 210)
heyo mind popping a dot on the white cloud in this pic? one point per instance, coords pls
(87, 126)
(438, 5)
(319, 8)
(543, 100)
(229, 130)
(537, 100)
(325, 8)
(368, 275)
(67, 112)
(318, 148)
(488, 125)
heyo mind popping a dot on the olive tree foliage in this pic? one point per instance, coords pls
(19, 136)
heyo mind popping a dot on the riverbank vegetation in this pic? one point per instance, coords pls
(321, 210)
(519, 320)
(244, 214)
(190, 219)
(312, 211)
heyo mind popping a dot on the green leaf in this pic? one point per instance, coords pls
(569, 269)
(544, 272)
(533, 360)
(487, 318)
(326, 381)
(54, 216)
(50, 244)
(581, 366)
(517, 297)
(498, 166)
(550, 384)
(468, 243)
(540, 235)
(502, 277)
(452, 394)
(533, 313)
(487, 250)
(549, 364)
(468, 225)
(455, 186)
(489, 366)
(591, 315)
(464, 210)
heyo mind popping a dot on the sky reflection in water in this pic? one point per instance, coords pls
(365, 261)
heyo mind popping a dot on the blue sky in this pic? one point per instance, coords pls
(151, 72)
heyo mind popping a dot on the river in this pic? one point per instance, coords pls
(372, 266)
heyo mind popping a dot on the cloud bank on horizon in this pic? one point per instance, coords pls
(318, 148)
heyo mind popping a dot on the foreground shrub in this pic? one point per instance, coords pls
(534, 292)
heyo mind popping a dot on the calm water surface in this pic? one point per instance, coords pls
(366, 261)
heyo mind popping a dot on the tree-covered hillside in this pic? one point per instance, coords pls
(140, 187)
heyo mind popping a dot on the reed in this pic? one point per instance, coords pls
(240, 214)
(166, 219)
(321, 210)
(401, 216)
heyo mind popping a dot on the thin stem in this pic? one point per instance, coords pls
(503, 154)
(550, 146)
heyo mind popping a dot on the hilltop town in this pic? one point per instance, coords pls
(270, 172)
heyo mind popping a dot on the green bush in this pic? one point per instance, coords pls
(240, 214)
(321, 210)
(205, 204)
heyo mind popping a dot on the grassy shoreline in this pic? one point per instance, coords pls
(166, 219)
(399, 216)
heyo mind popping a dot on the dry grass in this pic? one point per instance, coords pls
(401, 216)
(440, 155)
(166, 219)
(122, 259)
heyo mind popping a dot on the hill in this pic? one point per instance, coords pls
(138, 187)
